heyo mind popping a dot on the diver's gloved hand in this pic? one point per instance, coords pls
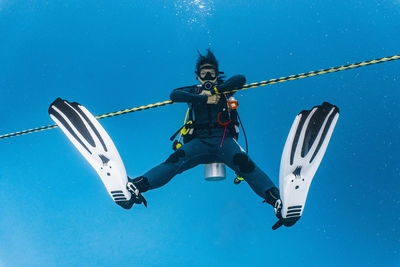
(212, 99)
(282, 221)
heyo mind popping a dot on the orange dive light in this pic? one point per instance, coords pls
(233, 103)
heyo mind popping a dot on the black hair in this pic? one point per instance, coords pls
(207, 59)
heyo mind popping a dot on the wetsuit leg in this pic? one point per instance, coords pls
(236, 158)
(186, 157)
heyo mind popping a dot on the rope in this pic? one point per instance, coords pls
(245, 87)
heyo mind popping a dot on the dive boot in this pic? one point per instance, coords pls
(273, 198)
(136, 187)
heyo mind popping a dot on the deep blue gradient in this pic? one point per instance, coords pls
(112, 55)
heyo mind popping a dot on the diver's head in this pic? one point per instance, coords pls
(207, 69)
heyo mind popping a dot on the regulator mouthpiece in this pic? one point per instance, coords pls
(208, 85)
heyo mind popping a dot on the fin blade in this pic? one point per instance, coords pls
(304, 149)
(94, 143)
(286, 167)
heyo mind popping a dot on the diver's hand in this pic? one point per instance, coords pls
(212, 99)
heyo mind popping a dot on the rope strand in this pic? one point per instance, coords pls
(245, 87)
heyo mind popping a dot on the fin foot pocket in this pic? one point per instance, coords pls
(273, 198)
(288, 221)
(125, 204)
(136, 187)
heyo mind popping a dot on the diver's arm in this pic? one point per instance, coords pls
(233, 83)
(185, 95)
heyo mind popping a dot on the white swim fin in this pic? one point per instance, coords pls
(304, 149)
(93, 142)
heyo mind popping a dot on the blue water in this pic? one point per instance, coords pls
(111, 55)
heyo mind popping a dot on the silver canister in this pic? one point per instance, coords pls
(214, 171)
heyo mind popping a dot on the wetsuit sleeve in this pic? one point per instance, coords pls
(232, 83)
(186, 94)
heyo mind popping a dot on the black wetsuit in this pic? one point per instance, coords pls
(206, 116)
(211, 141)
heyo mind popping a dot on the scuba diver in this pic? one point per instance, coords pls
(211, 134)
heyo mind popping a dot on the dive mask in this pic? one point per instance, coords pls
(207, 73)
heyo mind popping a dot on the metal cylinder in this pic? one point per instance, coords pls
(214, 171)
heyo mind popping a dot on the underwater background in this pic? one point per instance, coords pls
(112, 55)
